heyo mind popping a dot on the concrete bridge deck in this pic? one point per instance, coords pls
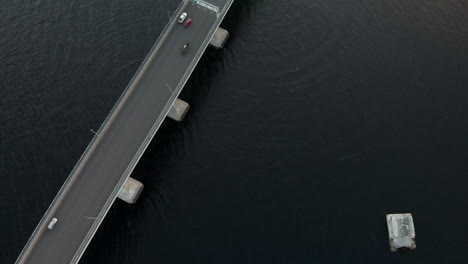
(92, 187)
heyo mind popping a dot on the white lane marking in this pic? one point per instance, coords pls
(207, 5)
(169, 87)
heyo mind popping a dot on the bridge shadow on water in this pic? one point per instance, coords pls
(162, 155)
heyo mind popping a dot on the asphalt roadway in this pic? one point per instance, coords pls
(92, 187)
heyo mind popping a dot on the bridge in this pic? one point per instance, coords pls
(94, 183)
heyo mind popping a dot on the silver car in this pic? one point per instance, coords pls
(182, 17)
(52, 223)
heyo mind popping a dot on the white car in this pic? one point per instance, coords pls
(182, 17)
(52, 223)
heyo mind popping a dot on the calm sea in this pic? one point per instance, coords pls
(317, 119)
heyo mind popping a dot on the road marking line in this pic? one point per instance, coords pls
(207, 5)
(169, 87)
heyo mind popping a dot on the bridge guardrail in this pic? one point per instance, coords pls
(166, 109)
(92, 145)
(154, 50)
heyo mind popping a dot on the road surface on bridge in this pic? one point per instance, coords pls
(92, 187)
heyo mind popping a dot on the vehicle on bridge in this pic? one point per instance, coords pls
(52, 223)
(185, 48)
(182, 17)
(188, 22)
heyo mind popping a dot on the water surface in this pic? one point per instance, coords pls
(317, 119)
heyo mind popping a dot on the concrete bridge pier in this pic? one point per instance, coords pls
(178, 110)
(219, 38)
(130, 191)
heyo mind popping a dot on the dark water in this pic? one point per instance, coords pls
(317, 119)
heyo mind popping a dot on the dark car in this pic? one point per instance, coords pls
(185, 48)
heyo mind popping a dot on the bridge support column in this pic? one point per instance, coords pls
(219, 39)
(130, 191)
(178, 110)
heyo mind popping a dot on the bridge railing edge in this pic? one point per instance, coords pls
(75, 171)
(151, 134)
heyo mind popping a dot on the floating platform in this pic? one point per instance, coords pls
(401, 231)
